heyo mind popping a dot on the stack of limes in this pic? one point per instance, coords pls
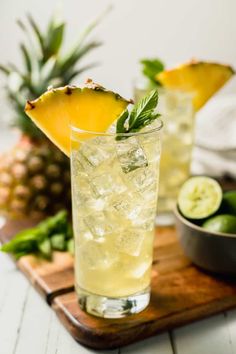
(202, 199)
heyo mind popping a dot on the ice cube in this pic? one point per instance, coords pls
(76, 165)
(82, 233)
(145, 220)
(141, 268)
(106, 184)
(100, 224)
(130, 242)
(144, 180)
(131, 154)
(90, 156)
(94, 256)
(151, 144)
(127, 204)
(84, 196)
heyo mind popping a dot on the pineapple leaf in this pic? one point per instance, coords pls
(48, 69)
(93, 24)
(87, 48)
(21, 25)
(36, 32)
(14, 82)
(13, 68)
(87, 31)
(43, 65)
(35, 76)
(79, 49)
(5, 70)
(71, 75)
(35, 46)
(54, 40)
(26, 57)
(76, 54)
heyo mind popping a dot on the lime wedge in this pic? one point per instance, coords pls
(229, 202)
(199, 197)
(221, 223)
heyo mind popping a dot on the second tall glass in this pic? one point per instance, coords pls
(178, 117)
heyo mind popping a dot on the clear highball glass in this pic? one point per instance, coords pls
(177, 114)
(114, 193)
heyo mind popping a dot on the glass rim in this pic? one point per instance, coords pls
(139, 133)
(139, 81)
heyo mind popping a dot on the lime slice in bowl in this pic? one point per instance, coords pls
(221, 223)
(229, 202)
(199, 197)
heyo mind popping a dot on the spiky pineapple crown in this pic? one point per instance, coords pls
(44, 65)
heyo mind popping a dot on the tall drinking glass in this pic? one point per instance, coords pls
(114, 192)
(178, 136)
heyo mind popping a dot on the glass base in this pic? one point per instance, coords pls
(107, 307)
(165, 219)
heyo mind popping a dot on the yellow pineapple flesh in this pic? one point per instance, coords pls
(202, 79)
(89, 108)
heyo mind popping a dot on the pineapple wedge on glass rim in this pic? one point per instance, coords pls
(202, 79)
(91, 108)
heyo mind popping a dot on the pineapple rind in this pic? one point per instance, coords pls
(88, 108)
(202, 79)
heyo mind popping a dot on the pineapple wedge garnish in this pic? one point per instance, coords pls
(202, 79)
(90, 108)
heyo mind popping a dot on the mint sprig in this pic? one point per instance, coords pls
(54, 233)
(150, 69)
(141, 115)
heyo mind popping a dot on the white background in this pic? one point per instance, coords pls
(175, 30)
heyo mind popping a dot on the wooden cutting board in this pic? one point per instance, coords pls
(181, 293)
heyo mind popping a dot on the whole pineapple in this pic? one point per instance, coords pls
(34, 175)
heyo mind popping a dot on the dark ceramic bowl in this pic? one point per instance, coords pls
(213, 251)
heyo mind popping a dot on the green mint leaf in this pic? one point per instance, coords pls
(151, 67)
(45, 248)
(54, 224)
(58, 242)
(21, 246)
(41, 239)
(143, 108)
(141, 115)
(71, 246)
(24, 240)
(120, 125)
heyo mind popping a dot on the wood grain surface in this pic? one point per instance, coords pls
(49, 278)
(181, 293)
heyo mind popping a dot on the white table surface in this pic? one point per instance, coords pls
(29, 326)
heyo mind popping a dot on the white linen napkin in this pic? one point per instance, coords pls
(215, 137)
